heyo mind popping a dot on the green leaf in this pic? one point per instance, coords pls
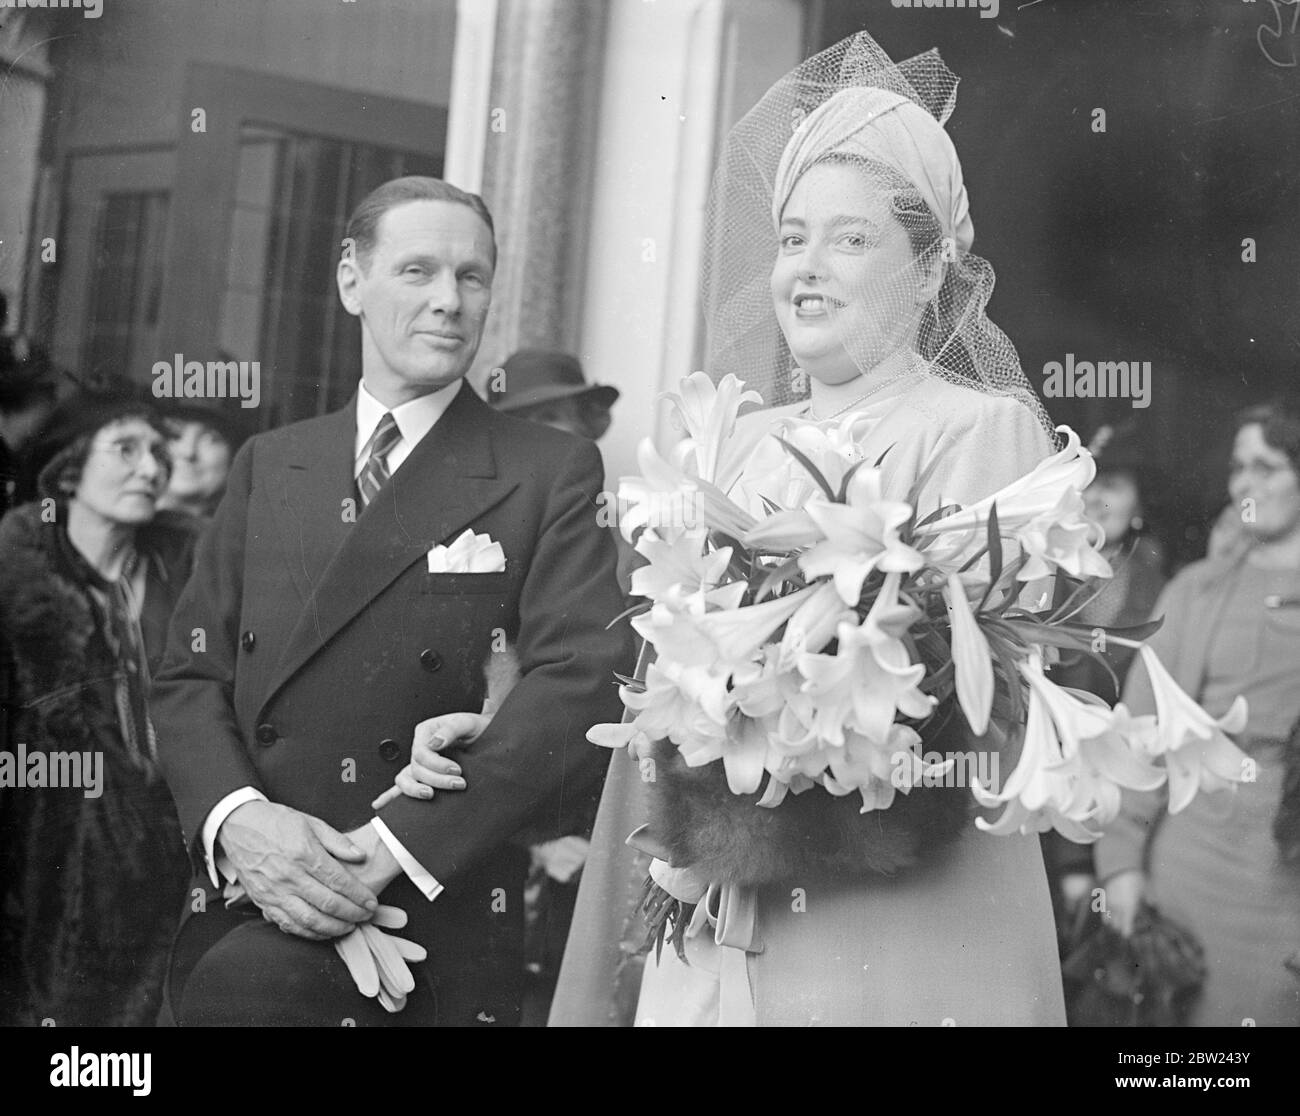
(994, 545)
(938, 513)
(1007, 586)
(1051, 634)
(1079, 599)
(812, 469)
(917, 485)
(974, 558)
(848, 476)
(635, 610)
(781, 573)
(1141, 632)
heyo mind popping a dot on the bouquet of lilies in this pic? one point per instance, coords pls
(804, 638)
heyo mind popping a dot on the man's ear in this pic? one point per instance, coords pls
(348, 277)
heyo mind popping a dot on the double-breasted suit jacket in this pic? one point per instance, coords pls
(311, 641)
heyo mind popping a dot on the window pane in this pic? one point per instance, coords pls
(126, 280)
(292, 199)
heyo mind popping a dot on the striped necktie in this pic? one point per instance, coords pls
(375, 474)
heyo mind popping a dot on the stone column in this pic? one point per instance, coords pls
(24, 58)
(537, 172)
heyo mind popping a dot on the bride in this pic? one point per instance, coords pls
(840, 280)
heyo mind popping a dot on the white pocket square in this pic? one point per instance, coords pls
(470, 553)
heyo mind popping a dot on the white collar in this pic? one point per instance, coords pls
(414, 418)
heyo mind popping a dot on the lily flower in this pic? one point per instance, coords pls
(784, 530)
(686, 564)
(1063, 538)
(1074, 720)
(971, 657)
(860, 536)
(1024, 499)
(1108, 762)
(781, 785)
(870, 679)
(671, 626)
(738, 634)
(814, 625)
(745, 754)
(877, 770)
(1043, 792)
(709, 415)
(1198, 753)
(667, 500)
(687, 705)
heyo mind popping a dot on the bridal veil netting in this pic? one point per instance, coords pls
(851, 105)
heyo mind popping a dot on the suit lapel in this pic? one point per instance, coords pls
(448, 481)
(309, 494)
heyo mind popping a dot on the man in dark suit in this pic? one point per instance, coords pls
(313, 638)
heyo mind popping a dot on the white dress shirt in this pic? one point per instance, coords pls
(414, 420)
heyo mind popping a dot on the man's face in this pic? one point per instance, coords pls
(422, 298)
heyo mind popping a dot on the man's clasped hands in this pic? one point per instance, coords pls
(317, 883)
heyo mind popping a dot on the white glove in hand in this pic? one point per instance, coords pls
(377, 961)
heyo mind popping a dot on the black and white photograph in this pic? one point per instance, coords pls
(650, 513)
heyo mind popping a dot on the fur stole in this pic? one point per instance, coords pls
(697, 822)
(1286, 822)
(47, 626)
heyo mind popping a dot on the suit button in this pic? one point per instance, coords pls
(266, 734)
(430, 659)
(389, 750)
(247, 640)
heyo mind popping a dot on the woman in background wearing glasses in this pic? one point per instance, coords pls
(94, 865)
(1229, 870)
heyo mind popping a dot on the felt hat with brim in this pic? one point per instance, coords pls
(84, 413)
(228, 420)
(537, 376)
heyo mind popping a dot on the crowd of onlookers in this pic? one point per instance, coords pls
(1202, 907)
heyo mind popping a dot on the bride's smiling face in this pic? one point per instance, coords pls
(846, 285)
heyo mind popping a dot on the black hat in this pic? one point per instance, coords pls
(1127, 448)
(84, 413)
(25, 373)
(535, 376)
(228, 421)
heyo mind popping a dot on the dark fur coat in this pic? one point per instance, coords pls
(92, 886)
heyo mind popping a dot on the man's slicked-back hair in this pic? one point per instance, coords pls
(363, 225)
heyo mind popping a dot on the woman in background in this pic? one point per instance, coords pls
(1120, 500)
(202, 445)
(1229, 871)
(94, 873)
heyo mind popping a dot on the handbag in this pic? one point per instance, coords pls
(1150, 979)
